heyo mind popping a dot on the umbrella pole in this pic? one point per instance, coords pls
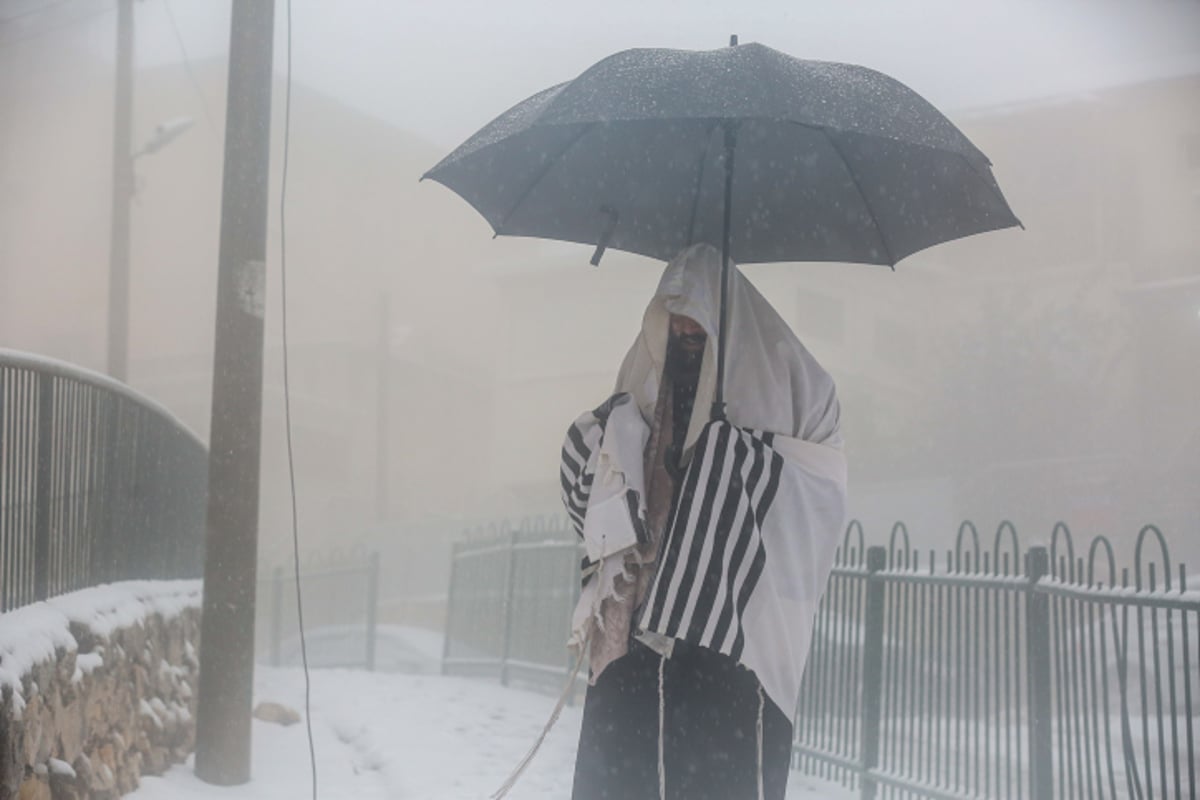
(718, 407)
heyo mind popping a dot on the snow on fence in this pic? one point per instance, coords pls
(97, 483)
(999, 672)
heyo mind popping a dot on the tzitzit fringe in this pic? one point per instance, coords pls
(761, 796)
(554, 715)
(596, 621)
(662, 715)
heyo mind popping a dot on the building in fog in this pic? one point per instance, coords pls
(389, 328)
(1108, 185)
(1028, 375)
(1034, 375)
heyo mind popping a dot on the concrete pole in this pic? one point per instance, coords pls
(122, 196)
(227, 628)
(382, 411)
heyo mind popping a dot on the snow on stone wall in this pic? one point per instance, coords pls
(97, 688)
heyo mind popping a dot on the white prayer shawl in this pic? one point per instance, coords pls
(772, 383)
(748, 551)
(603, 490)
(782, 405)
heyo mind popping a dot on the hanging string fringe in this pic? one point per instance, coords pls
(761, 703)
(662, 716)
(554, 715)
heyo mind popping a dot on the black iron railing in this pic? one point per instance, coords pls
(97, 483)
(1001, 673)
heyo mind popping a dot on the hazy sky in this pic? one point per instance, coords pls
(443, 69)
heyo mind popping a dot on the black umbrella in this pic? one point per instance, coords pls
(834, 162)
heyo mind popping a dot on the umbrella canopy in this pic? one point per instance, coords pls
(823, 161)
(834, 162)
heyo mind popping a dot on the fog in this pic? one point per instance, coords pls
(1036, 376)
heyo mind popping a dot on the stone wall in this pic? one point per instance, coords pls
(88, 722)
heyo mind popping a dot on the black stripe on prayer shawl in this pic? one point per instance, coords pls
(718, 481)
(576, 497)
(745, 541)
(716, 546)
(633, 502)
(759, 557)
(576, 522)
(582, 452)
(737, 548)
(669, 556)
(576, 481)
(768, 497)
(756, 568)
(573, 486)
(602, 411)
(586, 564)
(571, 463)
(715, 583)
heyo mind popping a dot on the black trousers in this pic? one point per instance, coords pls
(710, 738)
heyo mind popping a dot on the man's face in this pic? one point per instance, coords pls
(686, 334)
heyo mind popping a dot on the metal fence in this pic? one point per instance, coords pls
(999, 673)
(97, 483)
(509, 607)
(341, 605)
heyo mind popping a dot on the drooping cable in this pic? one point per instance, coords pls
(187, 65)
(287, 403)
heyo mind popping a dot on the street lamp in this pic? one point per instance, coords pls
(164, 133)
(118, 258)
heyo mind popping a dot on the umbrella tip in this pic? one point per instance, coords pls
(733, 40)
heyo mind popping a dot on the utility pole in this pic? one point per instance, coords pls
(122, 195)
(227, 627)
(382, 410)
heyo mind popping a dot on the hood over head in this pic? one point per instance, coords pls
(772, 383)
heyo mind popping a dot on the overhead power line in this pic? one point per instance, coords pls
(43, 32)
(187, 65)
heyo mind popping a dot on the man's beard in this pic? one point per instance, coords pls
(684, 365)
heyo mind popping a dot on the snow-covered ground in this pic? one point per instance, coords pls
(406, 737)
(377, 734)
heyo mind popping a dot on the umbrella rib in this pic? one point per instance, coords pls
(879, 230)
(550, 162)
(700, 182)
(993, 188)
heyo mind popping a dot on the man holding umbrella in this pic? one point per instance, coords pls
(697, 639)
(711, 578)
